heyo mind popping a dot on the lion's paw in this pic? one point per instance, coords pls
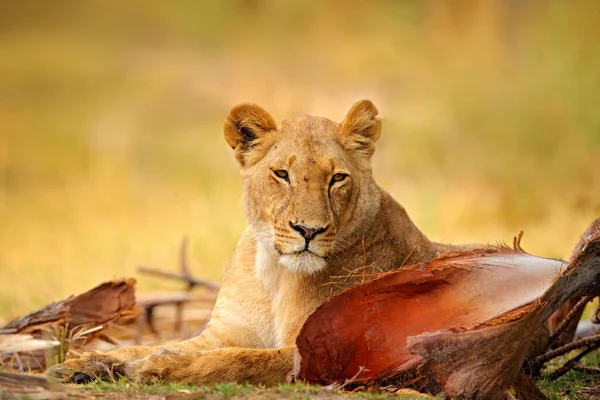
(165, 365)
(88, 367)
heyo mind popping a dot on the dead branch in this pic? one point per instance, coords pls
(177, 300)
(8, 378)
(596, 314)
(110, 301)
(26, 386)
(185, 274)
(574, 361)
(565, 349)
(587, 370)
(191, 281)
(566, 322)
(53, 312)
(15, 343)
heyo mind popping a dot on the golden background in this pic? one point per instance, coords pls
(111, 145)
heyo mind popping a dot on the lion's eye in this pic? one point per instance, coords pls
(283, 174)
(338, 178)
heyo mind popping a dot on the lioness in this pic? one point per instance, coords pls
(314, 213)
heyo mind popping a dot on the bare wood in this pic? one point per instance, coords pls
(574, 361)
(565, 349)
(587, 370)
(188, 279)
(568, 332)
(104, 303)
(53, 312)
(525, 388)
(185, 274)
(183, 257)
(596, 314)
(177, 299)
(167, 298)
(19, 342)
(111, 301)
(27, 386)
(571, 319)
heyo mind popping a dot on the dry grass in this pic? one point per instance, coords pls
(110, 123)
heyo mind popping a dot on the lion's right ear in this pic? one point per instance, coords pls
(361, 128)
(245, 128)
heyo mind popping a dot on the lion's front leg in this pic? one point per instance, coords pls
(92, 365)
(255, 366)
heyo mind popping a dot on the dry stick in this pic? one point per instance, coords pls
(587, 370)
(592, 340)
(173, 275)
(183, 256)
(596, 314)
(185, 270)
(573, 362)
(572, 314)
(184, 275)
(183, 261)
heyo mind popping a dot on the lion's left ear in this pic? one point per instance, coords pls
(245, 129)
(361, 128)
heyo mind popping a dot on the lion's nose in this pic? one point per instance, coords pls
(306, 232)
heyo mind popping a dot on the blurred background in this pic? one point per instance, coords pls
(111, 145)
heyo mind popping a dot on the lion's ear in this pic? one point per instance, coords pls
(361, 128)
(245, 127)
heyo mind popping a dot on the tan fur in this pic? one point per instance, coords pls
(276, 278)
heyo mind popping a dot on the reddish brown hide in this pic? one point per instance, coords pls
(483, 362)
(479, 293)
(367, 326)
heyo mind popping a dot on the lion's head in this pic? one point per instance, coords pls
(308, 187)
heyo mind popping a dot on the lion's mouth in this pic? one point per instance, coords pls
(306, 252)
(304, 261)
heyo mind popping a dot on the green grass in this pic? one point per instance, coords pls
(566, 386)
(572, 382)
(230, 390)
(126, 387)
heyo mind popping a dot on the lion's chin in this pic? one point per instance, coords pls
(304, 262)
